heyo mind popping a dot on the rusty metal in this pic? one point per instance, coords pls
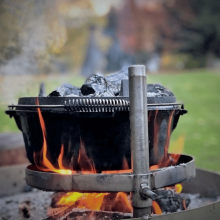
(108, 182)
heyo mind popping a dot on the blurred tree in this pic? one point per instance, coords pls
(199, 29)
(93, 56)
(10, 28)
(139, 34)
(30, 31)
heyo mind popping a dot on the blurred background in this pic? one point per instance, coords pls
(66, 41)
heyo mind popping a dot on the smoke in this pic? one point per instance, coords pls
(31, 30)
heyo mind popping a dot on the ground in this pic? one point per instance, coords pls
(198, 89)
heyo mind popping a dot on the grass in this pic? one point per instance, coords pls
(199, 90)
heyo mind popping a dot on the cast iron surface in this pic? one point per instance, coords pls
(105, 134)
(109, 182)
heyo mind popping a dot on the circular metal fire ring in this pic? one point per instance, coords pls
(50, 181)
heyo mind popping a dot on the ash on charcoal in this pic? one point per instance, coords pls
(169, 201)
(112, 85)
(116, 78)
(16, 209)
(198, 201)
(157, 90)
(98, 86)
(65, 90)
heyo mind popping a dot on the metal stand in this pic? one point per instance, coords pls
(139, 138)
(142, 180)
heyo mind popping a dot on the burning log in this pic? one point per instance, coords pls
(98, 205)
(55, 198)
(74, 213)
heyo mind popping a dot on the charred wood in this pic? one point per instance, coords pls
(169, 201)
(72, 213)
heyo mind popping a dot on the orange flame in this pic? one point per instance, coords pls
(177, 147)
(168, 133)
(60, 158)
(178, 188)
(87, 165)
(47, 166)
(92, 201)
(168, 159)
(125, 168)
(184, 204)
(156, 133)
(156, 208)
(125, 200)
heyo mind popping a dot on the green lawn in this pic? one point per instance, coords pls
(200, 92)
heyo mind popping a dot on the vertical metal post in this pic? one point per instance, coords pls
(139, 137)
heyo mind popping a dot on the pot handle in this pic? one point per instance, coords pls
(12, 113)
(182, 111)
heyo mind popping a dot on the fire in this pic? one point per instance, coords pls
(125, 201)
(45, 164)
(184, 204)
(125, 168)
(168, 159)
(96, 201)
(177, 147)
(91, 201)
(156, 208)
(178, 188)
(156, 133)
(86, 164)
